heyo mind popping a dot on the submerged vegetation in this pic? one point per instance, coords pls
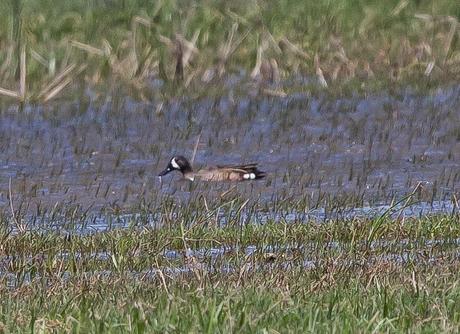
(158, 47)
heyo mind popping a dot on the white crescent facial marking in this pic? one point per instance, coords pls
(174, 163)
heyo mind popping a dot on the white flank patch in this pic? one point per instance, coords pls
(174, 163)
(249, 176)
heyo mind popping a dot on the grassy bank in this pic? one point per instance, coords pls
(190, 46)
(358, 275)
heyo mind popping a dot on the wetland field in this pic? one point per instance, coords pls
(351, 107)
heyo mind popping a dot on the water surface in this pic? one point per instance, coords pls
(355, 152)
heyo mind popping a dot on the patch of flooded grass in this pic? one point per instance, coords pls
(284, 277)
(319, 152)
(91, 240)
(330, 240)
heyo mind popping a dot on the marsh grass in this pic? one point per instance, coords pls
(277, 276)
(175, 47)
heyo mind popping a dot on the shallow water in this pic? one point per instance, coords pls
(266, 258)
(349, 156)
(102, 222)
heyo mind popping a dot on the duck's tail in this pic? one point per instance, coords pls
(251, 172)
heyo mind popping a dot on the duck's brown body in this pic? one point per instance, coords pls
(218, 173)
(226, 173)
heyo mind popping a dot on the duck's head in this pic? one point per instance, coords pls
(177, 163)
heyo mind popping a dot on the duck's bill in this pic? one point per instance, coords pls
(166, 171)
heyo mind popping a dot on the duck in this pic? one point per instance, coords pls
(245, 172)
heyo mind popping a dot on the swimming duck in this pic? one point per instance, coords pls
(215, 173)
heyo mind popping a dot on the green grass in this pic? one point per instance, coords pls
(318, 278)
(276, 303)
(360, 44)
